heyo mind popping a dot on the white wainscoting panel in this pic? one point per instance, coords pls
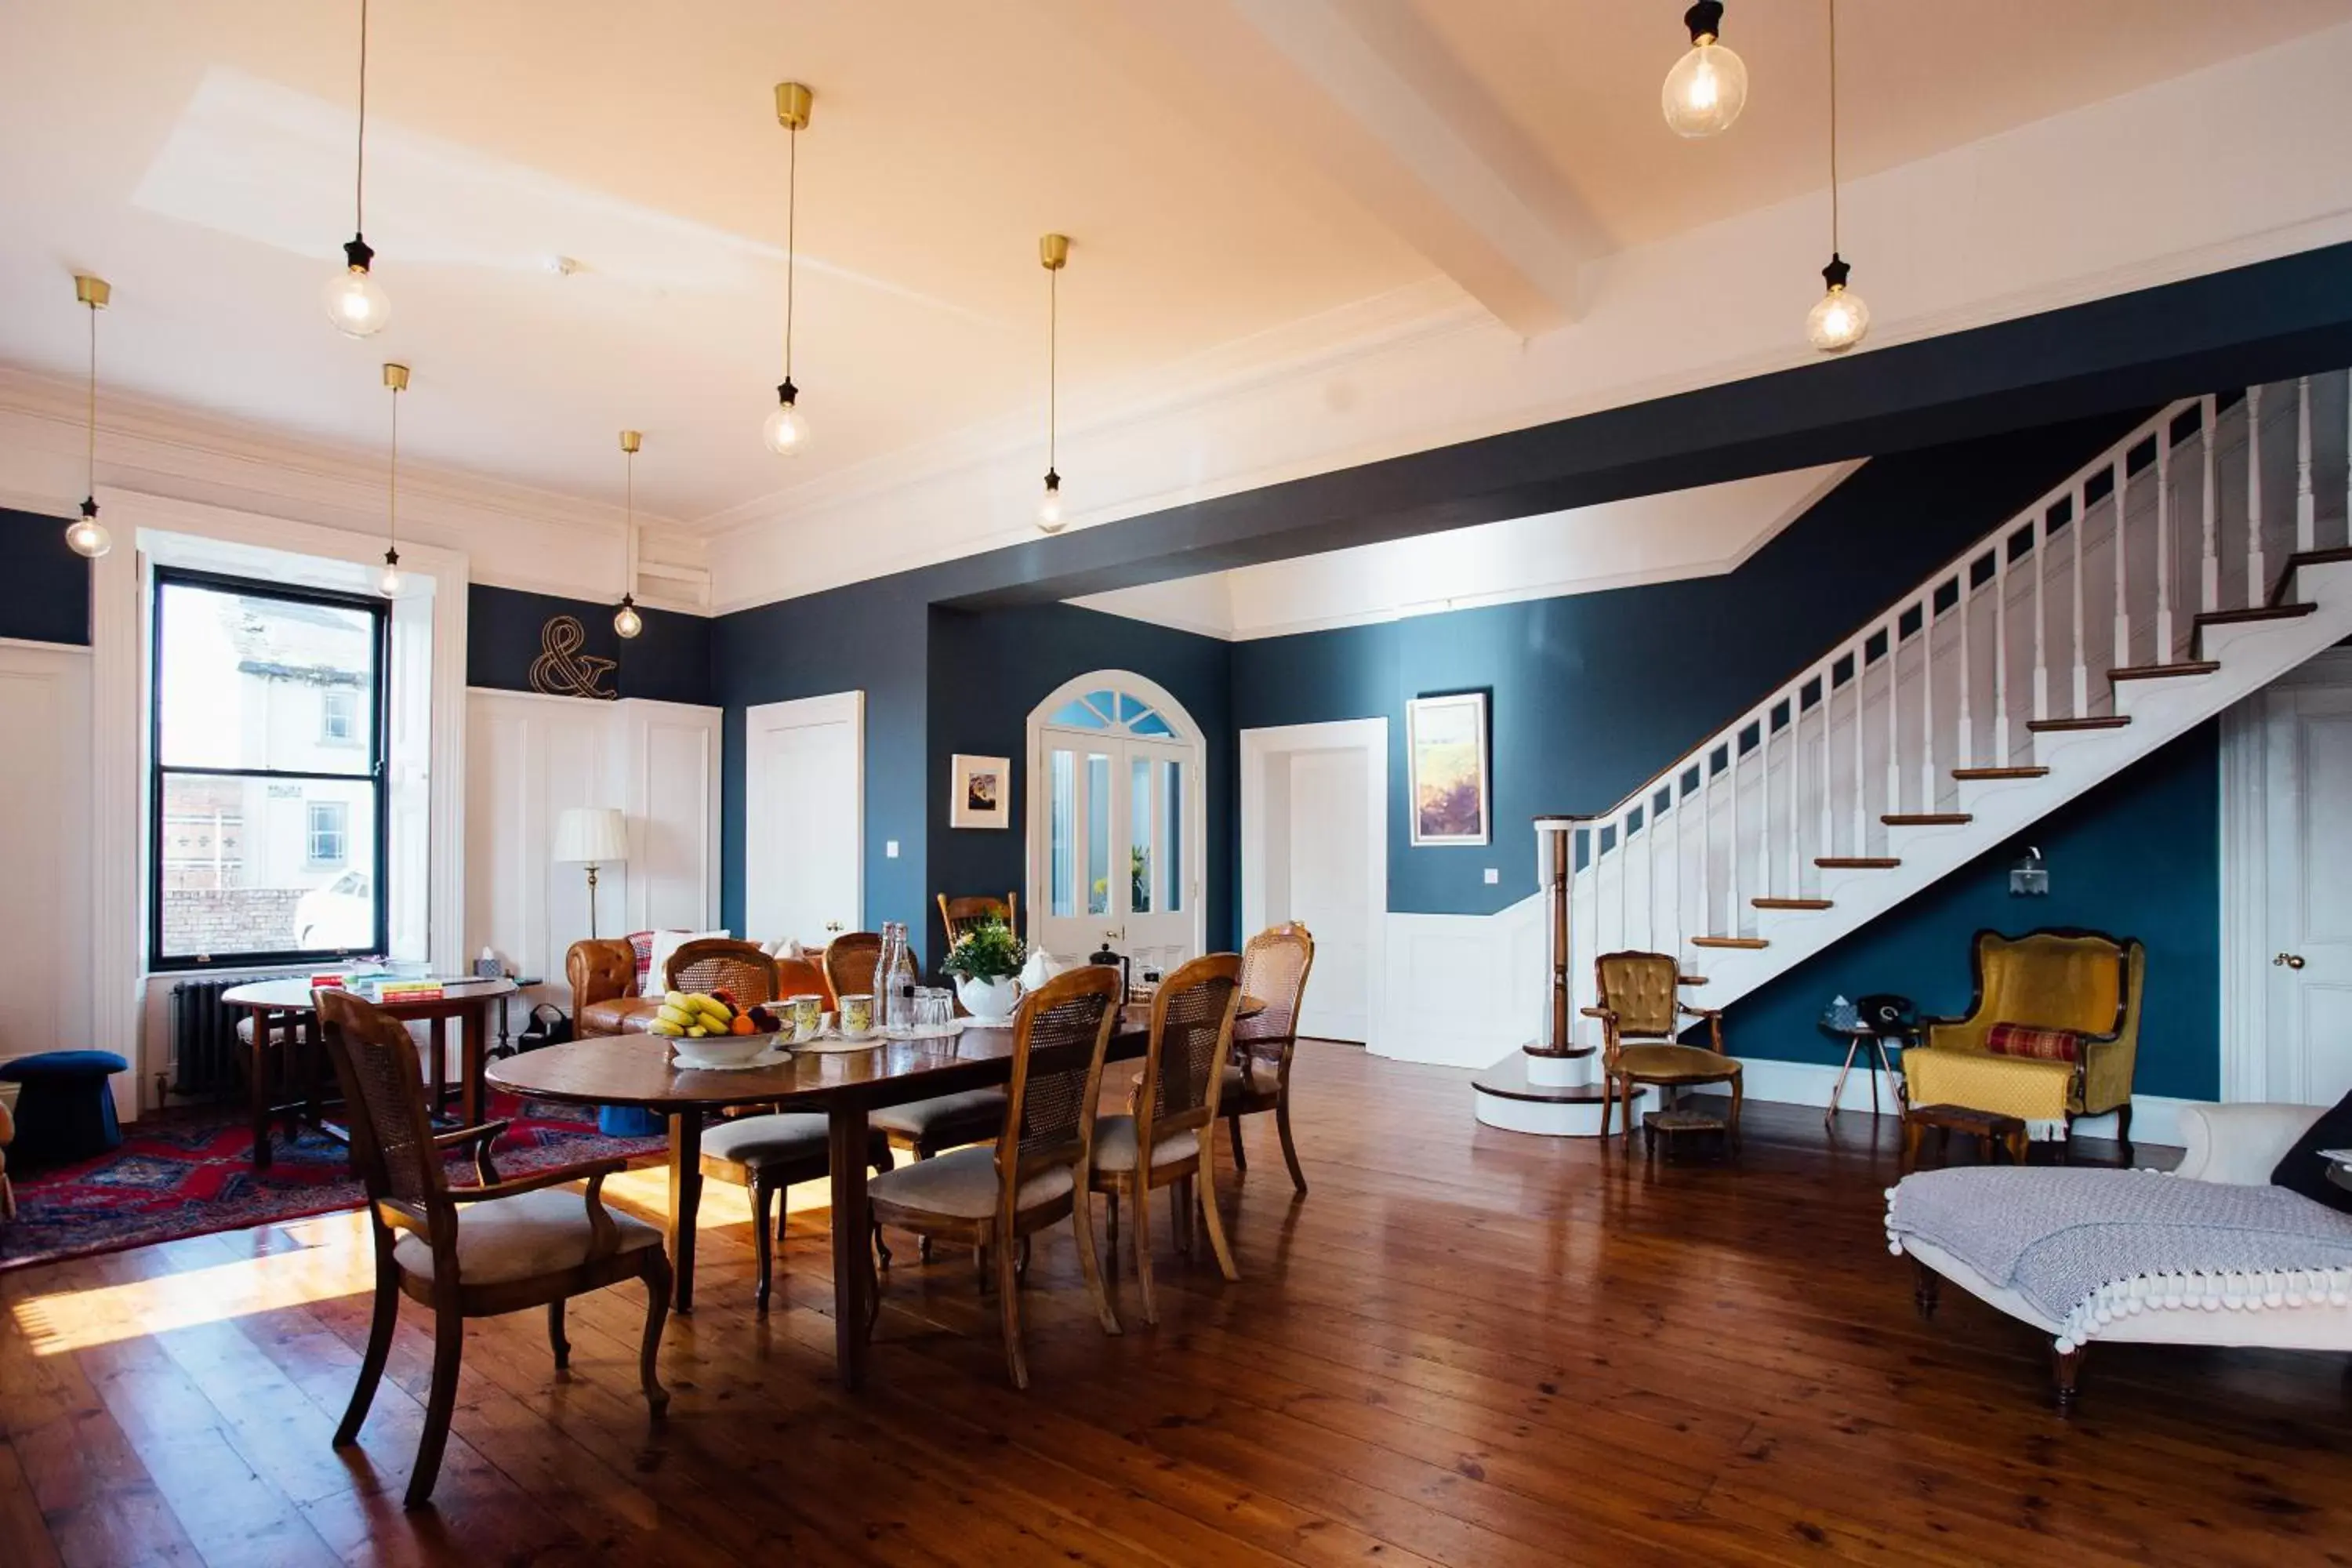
(1463, 990)
(44, 789)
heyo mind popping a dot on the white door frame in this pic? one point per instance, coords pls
(834, 708)
(1259, 747)
(1034, 896)
(2247, 794)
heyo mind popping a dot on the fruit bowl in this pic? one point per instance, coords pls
(720, 1050)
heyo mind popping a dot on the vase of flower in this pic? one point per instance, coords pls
(986, 963)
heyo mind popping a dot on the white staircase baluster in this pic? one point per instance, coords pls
(1894, 712)
(2257, 580)
(1828, 843)
(2306, 513)
(2077, 501)
(2000, 652)
(2208, 593)
(1966, 748)
(1731, 867)
(2041, 636)
(2164, 544)
(2123, 608)
(2347, 457)
(1796, 782)
(1928, 699)
(1764, 807)
(1860, 794)
(1650, 869)
(1624, 857)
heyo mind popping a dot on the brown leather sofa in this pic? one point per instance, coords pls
(603, 976)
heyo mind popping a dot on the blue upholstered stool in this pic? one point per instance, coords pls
(64, 1110)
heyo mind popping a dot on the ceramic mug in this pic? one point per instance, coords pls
(807, 1012)
(857, 1017)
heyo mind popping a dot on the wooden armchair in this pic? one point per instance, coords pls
(1035, 1175)
(1275, 966)
(468, 1252)
(1175, 1114)
(957, 915)
(1641, 1012)
(2081, 989)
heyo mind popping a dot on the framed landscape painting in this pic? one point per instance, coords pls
(1446, 741)
(979, 786)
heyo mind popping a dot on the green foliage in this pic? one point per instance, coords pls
(988, 950)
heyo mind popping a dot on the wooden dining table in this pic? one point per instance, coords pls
(637, 1070)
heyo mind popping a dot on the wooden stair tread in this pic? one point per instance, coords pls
(2259, 613)
(1508, 1079)
(2001, 772)
(1791, 904)
(1739, 942)
(2165, 671)
(2307, 558)
(1856, 862)
(1929, 819)
(1691, 980)
(2048, 726)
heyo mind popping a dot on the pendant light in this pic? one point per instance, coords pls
(86, 535)
(626, 622)
(395, 377)
(354, 303)
(1054, 253)
(1839, 319)
(786, 431)
(1708, 86)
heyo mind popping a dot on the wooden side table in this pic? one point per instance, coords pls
(1859, 1037)
(1990, 1128)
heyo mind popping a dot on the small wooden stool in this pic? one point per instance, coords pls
(1990, 1128)
(1679, 1126)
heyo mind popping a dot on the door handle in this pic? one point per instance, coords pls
(833, 925)
(2287, 961)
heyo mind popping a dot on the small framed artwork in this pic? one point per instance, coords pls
(1446, 741)
(979, 789)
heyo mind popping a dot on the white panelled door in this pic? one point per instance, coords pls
(1115, 824)
(1329, 884)
(804, 819)
(2308, 733)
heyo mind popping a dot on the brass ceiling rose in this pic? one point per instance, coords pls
(793, 101)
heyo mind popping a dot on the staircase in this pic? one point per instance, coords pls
(2192, 563)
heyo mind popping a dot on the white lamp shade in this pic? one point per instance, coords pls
(598, 834)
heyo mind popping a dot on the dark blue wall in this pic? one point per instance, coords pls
(1596, 692)
(45, 592)
(2138, 857)
(668, 661)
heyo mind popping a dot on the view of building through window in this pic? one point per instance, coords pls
(265, 746)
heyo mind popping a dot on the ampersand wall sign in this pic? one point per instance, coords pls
(561, 670)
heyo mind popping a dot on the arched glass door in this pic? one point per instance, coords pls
(1115, 830)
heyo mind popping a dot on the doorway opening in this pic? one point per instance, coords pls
(1314, 849)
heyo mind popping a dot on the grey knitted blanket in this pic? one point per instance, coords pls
(2086, 1246)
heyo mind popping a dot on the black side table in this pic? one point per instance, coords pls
(1857, 1037)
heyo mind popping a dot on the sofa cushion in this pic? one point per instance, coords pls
(2036, 1044)
(518, 1238)
(2300, 1170)
(618, 1016)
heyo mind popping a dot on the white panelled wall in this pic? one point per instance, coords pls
(45, 786)
(528, 758)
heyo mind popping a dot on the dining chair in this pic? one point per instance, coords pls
(1174, 1114)
(1641, 1009)
(743, 970)
(923, 1127)
(957, 915)
(1275, 966)
(850, 960)
(469, 1252)
(1035, 1173)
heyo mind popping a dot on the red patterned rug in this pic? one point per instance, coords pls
(187, 1173)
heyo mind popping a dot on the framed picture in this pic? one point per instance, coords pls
(1445, 739)
(979, 791)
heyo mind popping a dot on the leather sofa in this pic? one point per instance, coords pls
(604, 979)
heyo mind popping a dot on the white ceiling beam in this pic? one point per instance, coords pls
(1366, 95)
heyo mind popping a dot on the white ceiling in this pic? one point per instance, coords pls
(1236, 174)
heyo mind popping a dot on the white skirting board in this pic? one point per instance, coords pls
(2155, 1119)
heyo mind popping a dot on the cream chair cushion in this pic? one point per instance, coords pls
(1115, 1146)
(787, 1135)
(919, 1117)
(545, 1232)
(963, 1185)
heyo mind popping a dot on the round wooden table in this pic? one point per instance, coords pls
(287, 1004)
(636, 1069)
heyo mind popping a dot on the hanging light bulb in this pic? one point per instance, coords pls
(1708, 87)
(354, 302)
(786, 430)
(85, 535)
(395, 377)
(1054, 254)
(1839, 319)
(626, 622)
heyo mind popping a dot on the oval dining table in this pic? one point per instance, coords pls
(845, 1085)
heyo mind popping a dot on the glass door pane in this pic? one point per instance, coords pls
(1062, 813)
(1098, 818)
(1143, 843)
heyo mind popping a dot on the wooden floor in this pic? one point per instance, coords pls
(1466, 1346)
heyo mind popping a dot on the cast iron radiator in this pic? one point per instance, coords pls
(205, 1057)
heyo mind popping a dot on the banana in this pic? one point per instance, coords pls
(696, 1032)
(679, 1015)
(664, 1027)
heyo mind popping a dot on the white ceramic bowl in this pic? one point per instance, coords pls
(719, 1050)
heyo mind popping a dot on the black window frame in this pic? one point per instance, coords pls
(375, 772)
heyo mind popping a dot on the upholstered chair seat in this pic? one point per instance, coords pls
(1672, 1064)
(964, 1184)
(529, 1234)
(944, 1120)
(1115, 1146)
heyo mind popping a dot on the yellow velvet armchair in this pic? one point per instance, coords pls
(2083, 982)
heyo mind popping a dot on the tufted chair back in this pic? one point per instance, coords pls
(1639, 988)
(601, 971)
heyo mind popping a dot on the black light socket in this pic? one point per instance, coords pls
(1836, 272)
(357, 252)
(1705, 20)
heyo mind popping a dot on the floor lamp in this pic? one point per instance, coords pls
(593, 835)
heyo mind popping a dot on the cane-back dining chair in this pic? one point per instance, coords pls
(469, 1252)
(1641, 1010)
(850, 960)
(925, 1127)
(1174, 1115)
(742, 969)
(1275, 966)
(960, 915)
(1035, 1174)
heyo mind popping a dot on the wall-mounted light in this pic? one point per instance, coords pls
(2029, 878)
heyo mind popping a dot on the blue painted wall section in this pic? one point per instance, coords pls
(670, 661)
(1594, 693)
(2139, 856)
(45, 589)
